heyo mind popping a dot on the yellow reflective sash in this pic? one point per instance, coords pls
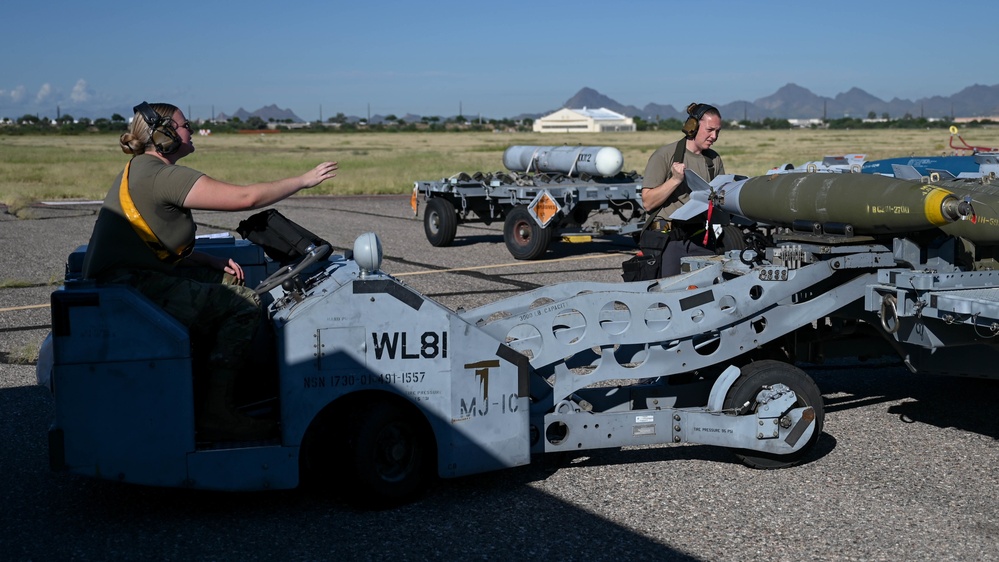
(141, 227)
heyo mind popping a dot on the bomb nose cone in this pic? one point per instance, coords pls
(608, 161)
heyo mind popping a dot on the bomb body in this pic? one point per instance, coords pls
(601, 161)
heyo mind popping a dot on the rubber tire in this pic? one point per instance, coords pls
(732, 238)
(524, 238)
(767, 372)
(388, 456)
(440, 222)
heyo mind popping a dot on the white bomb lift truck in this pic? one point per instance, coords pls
(378, 388)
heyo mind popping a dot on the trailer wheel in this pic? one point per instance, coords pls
(755, 376)
(440, 222)
(386, 457)
(524, 238)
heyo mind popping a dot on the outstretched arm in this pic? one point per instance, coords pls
(212, 195)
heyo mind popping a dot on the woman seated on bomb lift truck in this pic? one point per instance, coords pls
(144, 237)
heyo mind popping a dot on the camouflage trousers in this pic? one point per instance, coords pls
(220, 315)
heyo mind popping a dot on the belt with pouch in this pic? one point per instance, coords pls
(661, 225)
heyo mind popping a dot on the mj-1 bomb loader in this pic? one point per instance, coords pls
(378, 388)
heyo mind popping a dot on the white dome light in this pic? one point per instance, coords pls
(368, 252)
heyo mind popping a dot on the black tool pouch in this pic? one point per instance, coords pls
(648, 265)
(645, 267)
(283, 240)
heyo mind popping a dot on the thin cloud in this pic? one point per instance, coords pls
(80, 93)
(43, 93)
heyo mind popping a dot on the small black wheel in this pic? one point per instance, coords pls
(731, 238)
(759, 374)
(524, 238)
(440, 222)
(389, 456)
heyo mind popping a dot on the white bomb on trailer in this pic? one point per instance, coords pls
(600, 161)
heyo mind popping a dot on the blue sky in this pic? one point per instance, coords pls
(494, 59)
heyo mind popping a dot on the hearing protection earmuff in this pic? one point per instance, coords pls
(161, 133)
(694, 112)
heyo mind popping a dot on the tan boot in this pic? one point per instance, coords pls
(218, 419)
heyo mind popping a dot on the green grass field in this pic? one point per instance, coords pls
(40, 168)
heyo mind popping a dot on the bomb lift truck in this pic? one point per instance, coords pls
(378, 388)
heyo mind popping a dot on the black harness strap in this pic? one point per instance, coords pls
(681, 148)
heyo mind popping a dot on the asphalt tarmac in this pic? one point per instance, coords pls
(907, 467)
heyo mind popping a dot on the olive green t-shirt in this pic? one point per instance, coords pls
(660, 166)
(158, 191)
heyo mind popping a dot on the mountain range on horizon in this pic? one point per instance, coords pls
(788, 102)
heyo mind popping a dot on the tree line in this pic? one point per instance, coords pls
(770, 123)
(68, 125)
